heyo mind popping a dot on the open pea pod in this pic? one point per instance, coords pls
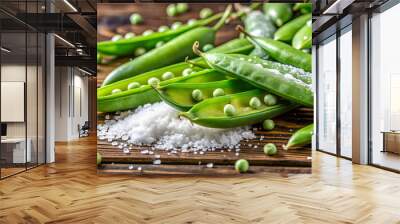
(108, 102)
(283, 85)
(181, 95)
(210, 112)
(301, 137)
(281, 52)
(128, 46)
(303, 7)
(303, 38)
(287, 31)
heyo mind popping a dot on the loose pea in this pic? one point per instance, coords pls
(159, 44)
(208, 47)
(242, 166)
(270, 100)
(136, 18)
(229, 110)
(182, 7)
(129, 35)
(115, 91)
(191, 21)
(98, 160)
(133, 85)
(176, 25)
(139, 51)
(116, 37)
(197, 95)
(218, 92)
(147, 32)
(268, 124)
(187, 72)
(153, 81)
(255, 103)
(171, 10)
(270, 149)
(163, 28)
(167, 75)
(205, 13)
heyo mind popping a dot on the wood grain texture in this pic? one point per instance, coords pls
(71, 191)
(154, 16)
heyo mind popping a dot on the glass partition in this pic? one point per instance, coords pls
(327, 96)
(385, 89)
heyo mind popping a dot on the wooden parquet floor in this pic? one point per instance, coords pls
(70, 191)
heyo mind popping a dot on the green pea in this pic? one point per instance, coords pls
(187, 72)
(229, 110)
(129, 35)
(270, 100)
(136, 18)
(255, 103)
(116, 37)
(159, 44)
(176, 25)
(242, 166)
(208, 47)
(268, 124)
(139, 51)
(147, 32)
(270, 149)
(171, 10)
(182, 7)
(153, 81)
(133, 85)
(163, 29)
(98, 159)
(115, 91)
(205, 13)
(191, 21)
(218, 92)
(167, 75)
(197, 95)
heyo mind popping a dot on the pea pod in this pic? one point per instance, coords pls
(303, 37)
(281, 52)
(179, 95)
(210, 112)
(283, 85)
(257, 24)
(280, 13)
(301, 137)
(287, 31)
(172, 52)
(124, 47)
(303, 7)
(124, 101)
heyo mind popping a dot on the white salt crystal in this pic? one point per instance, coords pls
(157, 162)
(139, 168)
(130, 167)
(126, 150)
(210, 165)
(114, 143)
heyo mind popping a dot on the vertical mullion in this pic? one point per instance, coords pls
(338, 98)
(369, 100)
(0, 94)
(26, 87)
(37, 89)
(316, 96)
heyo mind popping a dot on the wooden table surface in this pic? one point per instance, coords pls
(113, 19)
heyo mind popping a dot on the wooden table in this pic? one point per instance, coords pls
(115, 161)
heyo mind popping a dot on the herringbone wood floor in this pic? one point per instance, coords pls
(70, 191)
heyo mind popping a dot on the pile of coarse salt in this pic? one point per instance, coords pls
(159, 125)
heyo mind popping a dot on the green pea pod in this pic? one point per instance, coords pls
(287, 31)
(301, 137)
(280, 13)
(298, 73)
(283, 85)
(303, 7)
(128, 46)
(281, 52)
(179, 95)
(172, 52)
(210, 112)
(257, 24)
(303, 37)
(130, 100)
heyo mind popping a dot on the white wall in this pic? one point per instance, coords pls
(70, 83)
